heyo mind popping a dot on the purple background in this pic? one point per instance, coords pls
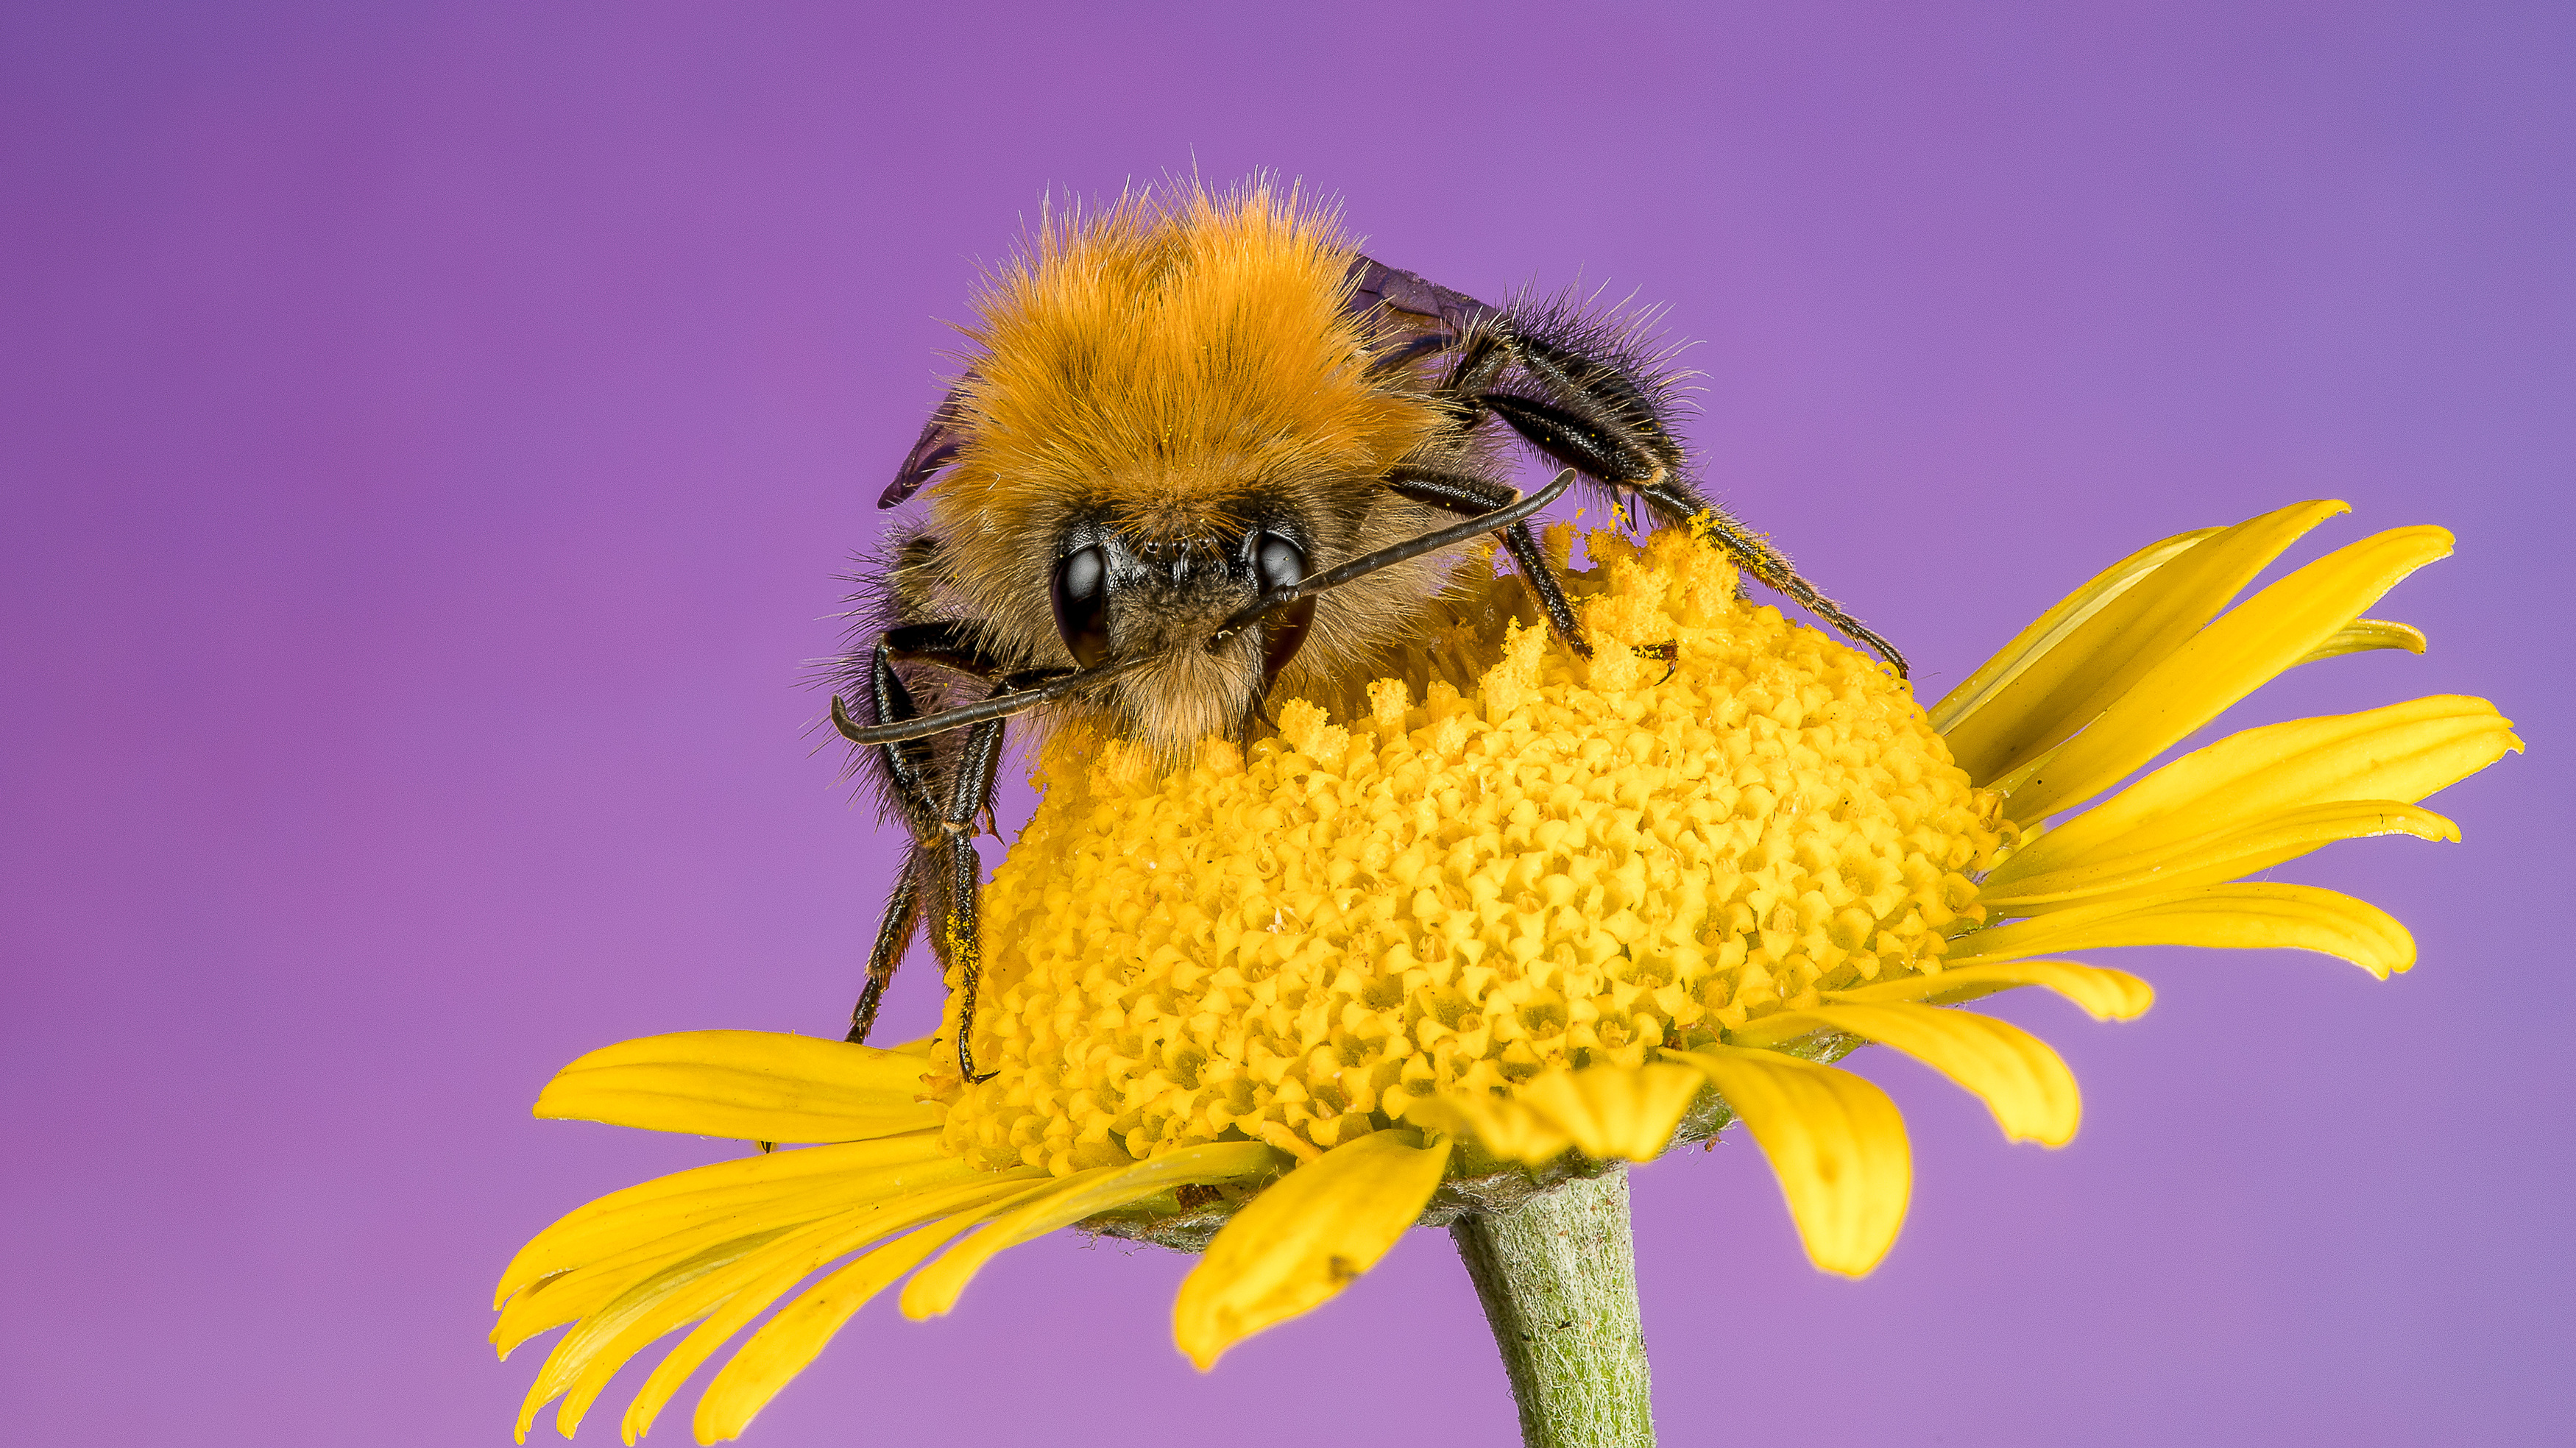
(429, 441)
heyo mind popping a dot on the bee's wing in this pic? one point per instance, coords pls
(1406, 298)
(936, 448)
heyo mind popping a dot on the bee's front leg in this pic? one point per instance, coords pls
(942, 872)
(908, 768)
(972, 793)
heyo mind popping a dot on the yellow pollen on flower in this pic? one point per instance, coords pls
(1520, 914)
(1573, 863)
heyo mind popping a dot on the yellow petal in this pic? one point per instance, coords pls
(1509, 1128)
(2401, 752)
(2215, 858)
(1304, 1237)
(1610, 1112)
(2106, 995)
(2364, 634)
(1835, 1141)
(823, 1178)
(1615, 1112)
(788, 1342)
(2022, 1081)
(2052, 627)
(584, 1289)
(1081, 1195)
(571, 1296)
(749, 1085)
(2243, 917)
(582, 1345)
(603, 1343)
(2223, 663)
(778, 1267)
(2104, 658)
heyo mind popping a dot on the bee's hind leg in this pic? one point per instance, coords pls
(1636, 458)
(1682, 506)
(1605, 416)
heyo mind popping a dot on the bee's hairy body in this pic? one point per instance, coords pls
(1173, 415)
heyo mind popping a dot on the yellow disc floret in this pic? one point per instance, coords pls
(1575, 862)
(1508, 916)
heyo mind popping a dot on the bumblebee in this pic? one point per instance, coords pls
(1200, 450)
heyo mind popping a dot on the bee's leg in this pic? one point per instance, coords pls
(894, 933)
(1568, 395)
(971, 792)
(1486, 352)
(942, 873)
(1575, 399)
(1462, 493)
(907, 768)
(1273, 600)
(1615, 439)
(1622, 456)
(947, 643)
(1682, 505)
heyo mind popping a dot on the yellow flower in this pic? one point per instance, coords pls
(1509, 918)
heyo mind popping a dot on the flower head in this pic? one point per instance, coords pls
(1512, 916)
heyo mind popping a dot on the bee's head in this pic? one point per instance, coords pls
(1169, 409)
(1116, 594)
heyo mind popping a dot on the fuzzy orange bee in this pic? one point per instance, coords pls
(1203, 450)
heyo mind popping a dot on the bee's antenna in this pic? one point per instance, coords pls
(1008, 698)
(1020, 693)
(1368, 563)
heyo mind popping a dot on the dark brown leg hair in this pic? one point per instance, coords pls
(894, 933)
(943, 864)
(1595, 415)
(1680, 504)
(906, 769)
(964, 945)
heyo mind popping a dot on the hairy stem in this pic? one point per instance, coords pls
(1558, 1277)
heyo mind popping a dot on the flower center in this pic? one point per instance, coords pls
(1573, 863)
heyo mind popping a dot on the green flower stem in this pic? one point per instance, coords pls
(1558, 1277)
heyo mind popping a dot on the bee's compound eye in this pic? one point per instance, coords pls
(1080, 592)
(1277, 562)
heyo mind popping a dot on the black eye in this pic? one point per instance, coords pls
(1277, 563)
(1080, 593)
